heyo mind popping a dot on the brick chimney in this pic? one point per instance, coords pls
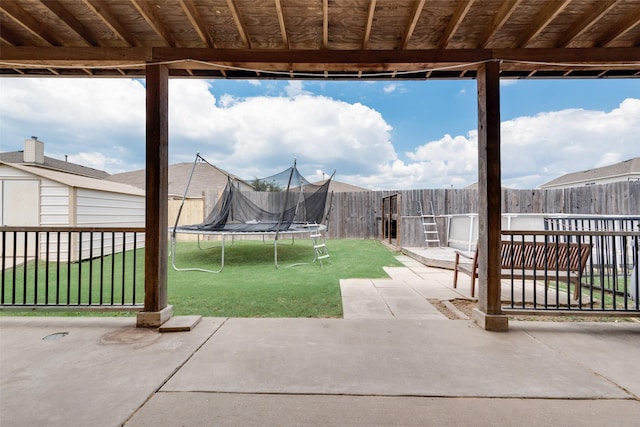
(33, 151)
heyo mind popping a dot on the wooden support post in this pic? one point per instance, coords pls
(489, 314)
(156, 311)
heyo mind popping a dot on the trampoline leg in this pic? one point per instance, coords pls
(172, 255)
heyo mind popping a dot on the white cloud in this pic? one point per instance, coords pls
(534, 149)
(98, 161)
(390, 88)
(295, 88)
(101, 123)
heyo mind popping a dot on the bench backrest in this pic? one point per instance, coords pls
(541, 255)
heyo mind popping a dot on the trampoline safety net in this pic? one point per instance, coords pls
(279, 202)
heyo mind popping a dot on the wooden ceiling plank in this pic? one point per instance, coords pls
(583, 23)
(455, 22)
(239, 25)
(325, 24)
(29, 23)
(415, 15)
(283, 27)
(629, 22)
(504, 13)
(100, 9)
(70, 21)
(367, 30)
(146, 10)
(10, 37)
(197, 22)
(546, 15)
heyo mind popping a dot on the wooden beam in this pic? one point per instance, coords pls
(548, 14)
(157, 184)
(413, 20)
(489, 313)
(149, 14)
(73, 56)
(325, 59)
(239, 25)
(197, 22)
(504, 13)
(283, 27)
(583, 23)
(101, 10)
(367, 29)
(322, 56)
(29, 23)
(454, 23)
(70, 21)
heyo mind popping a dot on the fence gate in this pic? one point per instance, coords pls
(391, 220)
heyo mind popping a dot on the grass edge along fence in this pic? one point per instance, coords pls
(250, 285)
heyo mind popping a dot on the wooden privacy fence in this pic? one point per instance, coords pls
(358, 214)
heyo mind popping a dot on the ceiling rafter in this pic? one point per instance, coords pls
(197, 22)
(583, 23)
(70, 21)
(239, 24)
(548, 14)
(283, 28)
(454, 23)
(415, 15)
(100, 9)
(325, 24)
(149, 14)
(28, 22)
(503, 15)
(629, 22)
(367, 29)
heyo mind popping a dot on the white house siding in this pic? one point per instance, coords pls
(104, 209)
(54, 204)
(96, 208)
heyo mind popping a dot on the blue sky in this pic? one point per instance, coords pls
(379, 135)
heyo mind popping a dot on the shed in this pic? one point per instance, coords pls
(34, 196)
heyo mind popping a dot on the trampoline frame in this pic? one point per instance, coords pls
(297, 229)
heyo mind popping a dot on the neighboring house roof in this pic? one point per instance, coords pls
(619, 171)
(77, 181)
(205, 177)
(342, 187)
(17, 157)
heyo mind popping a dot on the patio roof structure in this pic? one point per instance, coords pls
(322, 39)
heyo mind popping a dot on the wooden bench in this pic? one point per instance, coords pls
(526, 260)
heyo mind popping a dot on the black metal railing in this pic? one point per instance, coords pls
(72, 268)
(569, 272)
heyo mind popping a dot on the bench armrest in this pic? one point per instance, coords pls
(466, 255)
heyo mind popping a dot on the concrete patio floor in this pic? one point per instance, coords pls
(408, 365)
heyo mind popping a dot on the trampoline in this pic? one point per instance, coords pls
(284, 204)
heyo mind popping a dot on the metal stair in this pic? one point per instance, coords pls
(429, 226)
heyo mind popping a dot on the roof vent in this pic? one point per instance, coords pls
(33, 151)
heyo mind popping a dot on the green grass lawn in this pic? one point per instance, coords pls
(251, 286)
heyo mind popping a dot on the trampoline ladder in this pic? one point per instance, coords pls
(319, 245)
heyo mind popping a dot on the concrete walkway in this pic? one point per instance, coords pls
(410, 367)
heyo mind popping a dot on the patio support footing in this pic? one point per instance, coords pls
(154, 319)
(490, 322)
